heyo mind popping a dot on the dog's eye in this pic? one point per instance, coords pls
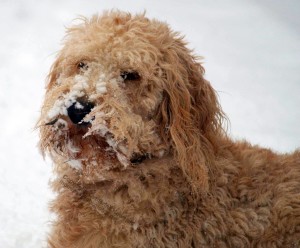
(82, 66)
(130, 76)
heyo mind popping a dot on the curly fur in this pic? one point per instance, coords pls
(196, 187)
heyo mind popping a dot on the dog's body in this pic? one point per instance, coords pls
(141, 156)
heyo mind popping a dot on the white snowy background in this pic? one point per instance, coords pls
(252, 58)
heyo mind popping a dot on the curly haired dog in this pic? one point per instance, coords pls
(141, 156)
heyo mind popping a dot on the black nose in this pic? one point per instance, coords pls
(78, 110)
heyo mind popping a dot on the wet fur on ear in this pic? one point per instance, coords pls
(191, 116)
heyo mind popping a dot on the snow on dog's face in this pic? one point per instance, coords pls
(103, 96)
(124, 89)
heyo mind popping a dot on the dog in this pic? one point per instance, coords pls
(141, 153)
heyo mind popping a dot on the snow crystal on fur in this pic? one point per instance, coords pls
(76, 164)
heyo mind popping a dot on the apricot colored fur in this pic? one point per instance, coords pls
(197, 188)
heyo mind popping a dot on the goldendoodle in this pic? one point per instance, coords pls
(142, 158)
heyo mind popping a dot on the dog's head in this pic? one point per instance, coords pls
(125, 89)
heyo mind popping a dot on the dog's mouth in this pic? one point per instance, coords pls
(75, 133)
(139, 158)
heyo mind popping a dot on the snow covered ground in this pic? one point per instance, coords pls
(252, 57)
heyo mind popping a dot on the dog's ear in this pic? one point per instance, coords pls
(190, 114)
(54, 72)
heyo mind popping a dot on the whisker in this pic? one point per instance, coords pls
(51, 122)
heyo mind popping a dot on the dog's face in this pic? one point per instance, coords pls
(125, 89)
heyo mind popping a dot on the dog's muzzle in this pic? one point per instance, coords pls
(78, 110)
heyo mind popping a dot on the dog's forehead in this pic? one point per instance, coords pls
(111, 41)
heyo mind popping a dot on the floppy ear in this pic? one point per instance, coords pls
(54, 73)
(190, 113)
